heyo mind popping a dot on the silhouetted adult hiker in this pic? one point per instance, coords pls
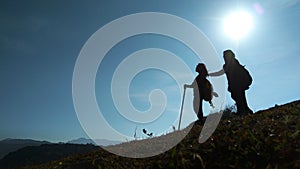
(203, 90)
(238, 79)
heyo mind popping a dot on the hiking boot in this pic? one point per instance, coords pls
(199, 122)
(245, 112)
(249, 111)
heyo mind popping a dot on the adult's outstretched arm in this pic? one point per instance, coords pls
(218, 73)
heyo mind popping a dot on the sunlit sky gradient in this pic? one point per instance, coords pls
(40, 42)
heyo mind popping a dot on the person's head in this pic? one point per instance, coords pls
(228, 55)
(201, 69)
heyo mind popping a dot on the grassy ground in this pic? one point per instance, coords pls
(266, 139)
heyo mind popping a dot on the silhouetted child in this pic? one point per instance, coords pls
(203, 90)
(238, 79)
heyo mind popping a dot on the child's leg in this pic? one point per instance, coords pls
(197, 104)
(200, 111)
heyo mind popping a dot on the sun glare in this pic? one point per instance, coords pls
(238, 24)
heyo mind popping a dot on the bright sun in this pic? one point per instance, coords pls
(238, 24)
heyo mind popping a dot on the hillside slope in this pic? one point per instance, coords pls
(10, 145)
(266, 139)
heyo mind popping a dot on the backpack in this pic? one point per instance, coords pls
(244, 77)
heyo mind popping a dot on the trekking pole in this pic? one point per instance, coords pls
(181, 108)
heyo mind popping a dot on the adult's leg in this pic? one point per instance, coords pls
(244, 105)
(241, 103)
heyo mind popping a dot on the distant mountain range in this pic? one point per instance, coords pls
(101, 142)
(34, 155)
(21, 152)
(81, 141)
(11, 145)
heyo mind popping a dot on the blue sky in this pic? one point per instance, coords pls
(40, 42)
